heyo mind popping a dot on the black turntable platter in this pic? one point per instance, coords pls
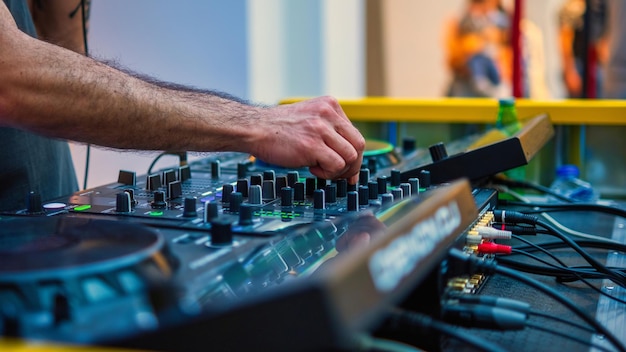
(34, 248)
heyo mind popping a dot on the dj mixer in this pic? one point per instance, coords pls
(231, 250)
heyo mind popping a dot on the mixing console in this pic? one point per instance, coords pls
(230, 238)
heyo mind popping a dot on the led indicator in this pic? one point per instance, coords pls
(83, 207)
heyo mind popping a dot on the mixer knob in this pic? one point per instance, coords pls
(153, 182)
(131, 194)
(33, 203)
(279, 184)
(184, 173)
(310, 186)
(227, 189)
(122, 202)
(415, 185)
(245, 214)
(424, 178)
(254, 194)
(286, 196)
(372, 165)
(438, 152)
(342, 188)
(235, 202)
(372, 190)
(331, 193)
(168, 177)
(382, 184)
(364, 176)
(269, 192)
(318, 199)
(397, 193)
(216, 171)
(352, 188)
(256, 180)
(269, 175)
(242, 170)
(387, 198)
(364, 195)
(406, 189)
(242, 187)
(159, 200)
(353, 201)
(128, 178)
(395, 178)
(221, 232)
(408, 145)
(292, 178)
(210, 211)
(321, 183)
(298, 192)
(189, 208)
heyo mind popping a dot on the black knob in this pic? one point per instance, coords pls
(408, 145)
(269, 175)
(131, 194)
(256, 180)
(387, 198)
(286, 196)
(353, 201)
(372, 165)
(397, 193)
(242, 187)
(321, 183)
(424, 178)
(245, 214)
(254, 194)
(269, 192)
(318, 199)
(279, 183)
(210, 211)
(168, 177)
(153, 182)
(235, 202)
(128, 178)
(242, 170)
(395, 178)
(364, 195)
(221, 232)
(342, 188)
(352, 188)
(364, 176)
(406, 189)
(292, 178)
(33, 203)
(372, 190)
(159, 200)
(227, 189)
(331, 193)
(184, 173)
(298, 192)
(216, 171)
(189, 208)
(382, 184)
(415, 185)
(438, 152)
(310, 186)
(122, 202)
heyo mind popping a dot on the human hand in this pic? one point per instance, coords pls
(314, 133)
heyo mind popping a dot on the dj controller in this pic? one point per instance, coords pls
(233, 252)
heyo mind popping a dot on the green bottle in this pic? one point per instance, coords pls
(509, 124)
(507, 120)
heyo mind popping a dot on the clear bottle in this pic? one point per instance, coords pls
(568, 183)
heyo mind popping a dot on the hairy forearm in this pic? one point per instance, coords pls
(62, 94)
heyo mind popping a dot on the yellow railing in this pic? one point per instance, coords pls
(479, 110)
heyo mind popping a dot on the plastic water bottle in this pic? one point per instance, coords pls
(507, 120)
(569, 185)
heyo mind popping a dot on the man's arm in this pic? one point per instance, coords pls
(62, 94)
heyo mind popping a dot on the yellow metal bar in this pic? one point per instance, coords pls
(480, 110)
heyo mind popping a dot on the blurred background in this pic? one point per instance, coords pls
(268, 50)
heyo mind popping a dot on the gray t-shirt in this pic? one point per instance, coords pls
(29, 162)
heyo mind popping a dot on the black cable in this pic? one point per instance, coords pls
(561, 320)
(583, 243)
(473, 265)
(551, 207)
(534, 186)
(567, 336)
(415, 324)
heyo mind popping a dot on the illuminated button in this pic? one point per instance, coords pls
(83, 207)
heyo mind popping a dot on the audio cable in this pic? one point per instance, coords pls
(474, 265)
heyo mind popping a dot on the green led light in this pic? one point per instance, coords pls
(83, 207)
(156, 213)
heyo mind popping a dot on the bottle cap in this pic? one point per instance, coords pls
(506, 102)
(567, 171)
